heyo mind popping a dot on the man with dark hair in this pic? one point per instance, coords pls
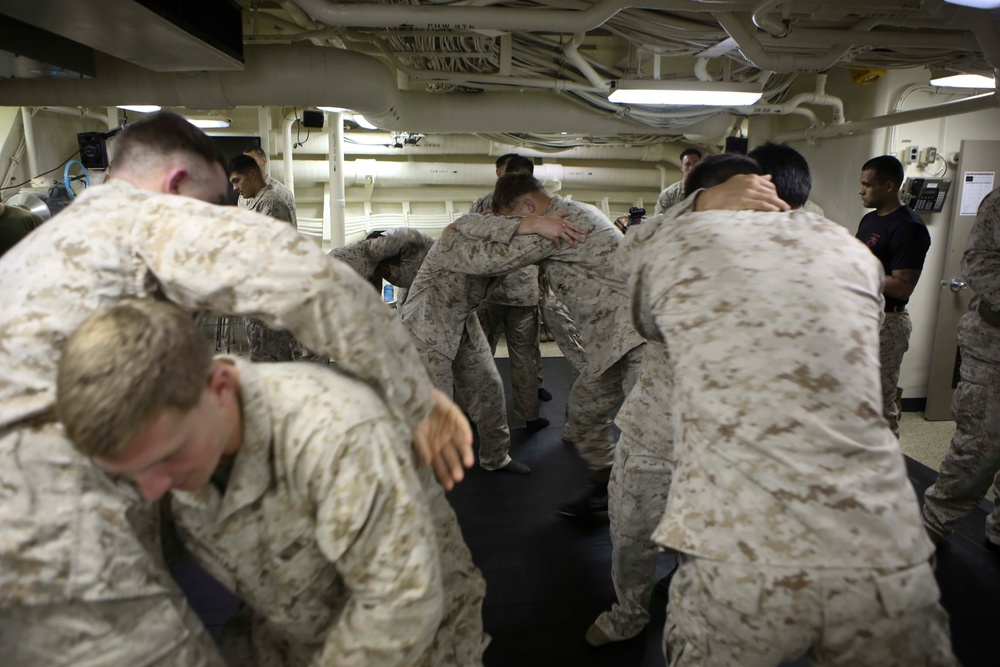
(512, 307)
(899, 238)
(281, 190)
(788, 169)
(643, 460)
(256, 194)
(78, 574)
(674, 194)
(266, 344)
(583, 279)
(790, 506)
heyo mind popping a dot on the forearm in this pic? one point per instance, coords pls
(898, 288)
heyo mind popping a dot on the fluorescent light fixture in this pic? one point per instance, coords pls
(140, 108)
(963, 81)
(363, 122)
(978, 4)
(208, 122)
(683, 93)
(332, 109)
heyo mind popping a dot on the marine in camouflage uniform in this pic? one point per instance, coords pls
(641, 473)
(512, 306)
(973, 460)
(395, 257)
(583, 279)
(268, 344)
(790, 504)
(439, 313)
(320, 450)
(73, 538)
(671, 196)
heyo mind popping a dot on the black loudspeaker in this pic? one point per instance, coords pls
(93, 150)
(312, 119)
(737, 145)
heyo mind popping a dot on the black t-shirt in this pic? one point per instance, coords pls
(900, 241)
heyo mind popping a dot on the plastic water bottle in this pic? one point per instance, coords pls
(388, 293)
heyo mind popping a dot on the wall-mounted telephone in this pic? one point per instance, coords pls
(926, 194)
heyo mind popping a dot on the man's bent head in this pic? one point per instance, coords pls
(137, 390)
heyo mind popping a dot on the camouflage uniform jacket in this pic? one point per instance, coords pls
(323, 528)
(116, 241)
(519, 288)
(439, 301)
(671, 196)
(981, 270)
(402, 251)
(270, 203)
(583, 278)
(283, 209)
(782, 456)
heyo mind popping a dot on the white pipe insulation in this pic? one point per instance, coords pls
(968, 105)
(306, 75)
(383, 173)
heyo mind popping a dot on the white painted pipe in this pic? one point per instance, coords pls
(573, 55)
(404, 174)
(338, 201)
(279, 75)
(29, 142)
(264, 130)
(969, 105)
(762, 19)
(287, 157)
(426, 17)
(754, 51)
(80, 112)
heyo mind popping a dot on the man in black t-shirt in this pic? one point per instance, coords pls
(899, 239)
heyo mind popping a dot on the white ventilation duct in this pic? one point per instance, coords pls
(359, 173)
(305, 75)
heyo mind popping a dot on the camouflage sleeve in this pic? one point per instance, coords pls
(249, 264)
(488, 227)
(279, 210)
(372, 522)
(465, 254)
(981, 261)
(353, 254)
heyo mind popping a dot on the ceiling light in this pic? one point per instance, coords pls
(140, 108)
(699, 93)
(978, 4)
(208, 122)
(363, 122)
(332, 109)
(946, 80)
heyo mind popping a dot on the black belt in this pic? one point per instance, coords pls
(895, 309)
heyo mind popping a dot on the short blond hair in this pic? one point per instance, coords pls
(122, 367)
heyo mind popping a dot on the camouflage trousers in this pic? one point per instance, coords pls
(563, 330)
(737, 615)
(460, 640)
(520, 326)
(973, 459)
(594, 401)
(472, 377)
(81, 580)
(894, 341)
(267, 344)
(637, 496)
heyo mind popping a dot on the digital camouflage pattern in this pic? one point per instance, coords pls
(973, 459)
(893, 341)
(520, 327)
(478, 388)
(761, 616)
(439, 312)
(66, 533)
(782, 457)
(274, 200)
(323, 528)
(583, 279)
(671, 196)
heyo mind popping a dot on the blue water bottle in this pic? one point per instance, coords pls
(388, 293)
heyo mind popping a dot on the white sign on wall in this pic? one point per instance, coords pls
(975, 186)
